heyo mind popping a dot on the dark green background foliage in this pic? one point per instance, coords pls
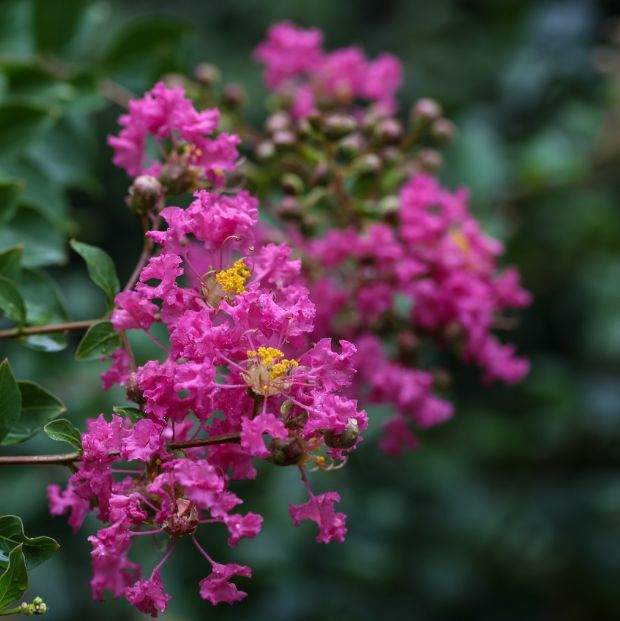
(511, 510)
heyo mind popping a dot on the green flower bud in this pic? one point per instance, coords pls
(234, 96)
(443, 130)
(145, 194)
(425, 110)
(339, 125)
(287, 452)
(292, 184)
(343, 440)
(207, 74)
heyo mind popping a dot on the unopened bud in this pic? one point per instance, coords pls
(321, 175)
(207, 74)
(388, 205)
(430, 160)
(441, 378)
(368, 164)
(175, 79)
(339, 125)
(426, 110)
(234, 96)
(350, 147)
(133, 390)
(289, 208)
(277, 121)
(176, 178)
(287, 452)
(265, 150)
(388, 130)
(443, 130)
(145, 194)
(283, 138)
(343, 440)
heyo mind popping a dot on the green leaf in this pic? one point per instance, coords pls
(9, 193)
(36, 549)
(56, 23)
(99, 341)
(143, 39)
(10, 399)
(134, 414)
(43, 243)
(63, 430)
(11, 301)
(20, 124)
(100, 268)
(38, 408)
(10, 263)
(14, 581)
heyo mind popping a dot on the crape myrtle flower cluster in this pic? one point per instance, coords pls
(361, 243)
(394, 261)
(240, 376)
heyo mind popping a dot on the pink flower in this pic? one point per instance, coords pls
(289, 52)
(217, 588)
(320, 509)
(252, 431)
(143, 441)
(148, 595)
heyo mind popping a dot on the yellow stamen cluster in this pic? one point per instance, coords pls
(460, 240)
(233, 279)
(192, 150)
(274, 360)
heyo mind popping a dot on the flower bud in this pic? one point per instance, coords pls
(283, 138)
(133, 390)
(321, 175)
(234, 96)
(176, 178)
(443, 130)
(425, 110)
(388, 205)
(287, 452)
(207, 74)
(339, 125)
(145, 194)
(343, 440)
(442, 379)
(349, 147)
(277, 121)
(289, 208)
(368, 164)
(430, 160)
(388, 130)
(265, 150)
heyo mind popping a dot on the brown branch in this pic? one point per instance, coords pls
(69, 326)
(67, 459)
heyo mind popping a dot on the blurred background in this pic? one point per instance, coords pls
(510, 511)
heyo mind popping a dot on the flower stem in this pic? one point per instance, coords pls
(69, 326)
(67, 459)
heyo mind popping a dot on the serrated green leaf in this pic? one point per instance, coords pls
(39, 407)
(36, 550)
(11, 301)
(63, 430)
(100, 268)
(100, 340)
(9, 193)
(14, 581)
(10, 263)
(10, 399)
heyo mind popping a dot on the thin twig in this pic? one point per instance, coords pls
(67, 459)
(69, 326)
